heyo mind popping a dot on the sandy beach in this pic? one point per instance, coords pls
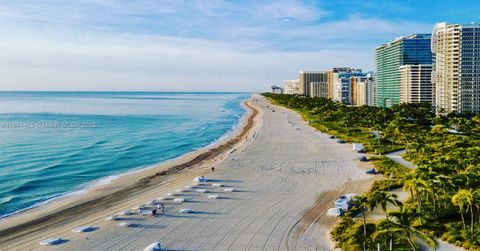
(285, 175)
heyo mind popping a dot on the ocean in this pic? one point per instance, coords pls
(58, 143)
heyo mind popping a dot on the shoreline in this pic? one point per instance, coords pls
(127, 185)
(107, 180)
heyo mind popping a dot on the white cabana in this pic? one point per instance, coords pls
(201, 190)
(213, 196)
(217, 185)
(334, 212)
(123, 224)
(53, 241)
(170, 194)
(187, 187)
(229, 190)
(357, 147)
(153, 247)
(83, 229)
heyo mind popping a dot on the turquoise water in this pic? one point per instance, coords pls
(53, 143)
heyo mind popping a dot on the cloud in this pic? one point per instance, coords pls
(179, 45)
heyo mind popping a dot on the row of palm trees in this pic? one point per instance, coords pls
(398, 224)
(443, 189)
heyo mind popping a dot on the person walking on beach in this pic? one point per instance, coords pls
(213, 169)
(162, 208)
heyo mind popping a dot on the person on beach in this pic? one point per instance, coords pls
(154, 212)
(213, 169)
(162, 208)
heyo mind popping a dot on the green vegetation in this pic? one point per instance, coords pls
(444, 190)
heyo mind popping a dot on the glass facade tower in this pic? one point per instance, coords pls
(410, 50)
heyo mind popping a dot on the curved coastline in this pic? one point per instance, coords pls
(69, 207)
(107, 180)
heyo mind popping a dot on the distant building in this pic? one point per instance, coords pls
(415, 83)
(292, 86)
(371, 89)
(357, 91)
(413, 50)
(456, 67)
(319, 89)
(307, 77)
(362, 90)
(338, 83)
(276, 89)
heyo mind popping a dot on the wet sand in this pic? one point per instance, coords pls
(285, 175)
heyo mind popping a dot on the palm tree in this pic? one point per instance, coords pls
(412, 182)
(402, 224)
(459, 200)
(462, 197)
(382, 199)
(387, 229)
(362, 203)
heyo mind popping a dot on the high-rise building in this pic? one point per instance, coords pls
(362, 90)
(456, 67)
(357, 91)
(415, 83)
(292, 86)
(307, 77)
(413, 50)
(319, 89)
(370, 89)
(276, 89)
(338, 83)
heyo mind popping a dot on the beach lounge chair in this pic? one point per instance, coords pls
(229, 190)
(372, 171)
(83, 229)
(217, 185)
(126, 212)
(151, 202)
(179, 190)
(112, 218)
(124, 224)
(342, 204)
(179, 200)
(170, 194)
(145, 212)
(185, 211)
(201, 190)
(187, 187)
(153, 247)
(139, 207)
(350, 196)
(200, 179)
(49, 242)
(213, 196)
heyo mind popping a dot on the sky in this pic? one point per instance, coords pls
(200, 45)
